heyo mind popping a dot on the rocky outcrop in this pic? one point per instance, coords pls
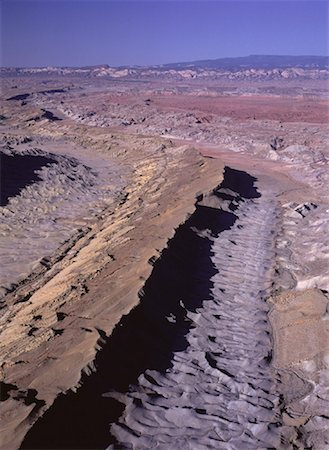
(193, 360)
(60, 309)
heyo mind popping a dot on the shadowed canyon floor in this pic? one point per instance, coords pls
(148, 295)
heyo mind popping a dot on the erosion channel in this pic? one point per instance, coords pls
(192, 362)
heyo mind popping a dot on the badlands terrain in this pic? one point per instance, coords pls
(164, 263)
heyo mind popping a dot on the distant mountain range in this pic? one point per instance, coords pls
(261, 67)
(255, 62)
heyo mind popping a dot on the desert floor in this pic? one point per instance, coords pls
(164, 264)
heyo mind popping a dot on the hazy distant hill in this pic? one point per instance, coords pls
(260, 67)
(255, 62)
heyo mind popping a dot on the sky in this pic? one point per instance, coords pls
(122, 32)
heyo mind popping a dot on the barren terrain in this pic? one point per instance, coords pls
(164, 259)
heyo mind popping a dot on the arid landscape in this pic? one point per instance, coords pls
(164, 263)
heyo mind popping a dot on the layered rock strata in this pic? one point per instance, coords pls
(64, 198)
(192, 361)
(219, 391)
(54, 320)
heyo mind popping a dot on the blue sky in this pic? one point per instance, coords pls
(82, 32)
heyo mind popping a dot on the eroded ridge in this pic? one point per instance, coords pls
(176, 361)
(219, 392)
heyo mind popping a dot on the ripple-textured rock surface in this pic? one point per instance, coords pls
(219, 392)
(65, 195)
(53, 322)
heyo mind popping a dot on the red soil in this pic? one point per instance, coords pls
(251, 107)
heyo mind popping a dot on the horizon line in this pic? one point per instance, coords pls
(160, 64)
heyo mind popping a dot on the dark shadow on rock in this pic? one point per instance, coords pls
(19, 97)
(240, 182)
(17, 172)
(49, 115)
(144, 339)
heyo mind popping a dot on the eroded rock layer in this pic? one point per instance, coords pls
(193, 359)
(75, 246)
(67, 194)
(219, 392)
(53, 322)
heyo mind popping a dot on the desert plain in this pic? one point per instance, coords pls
(164, 258)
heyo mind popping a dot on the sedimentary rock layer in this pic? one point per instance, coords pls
(219, 391)
(193, 359)
(139, 187)
(54, 320)
(61, 198)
